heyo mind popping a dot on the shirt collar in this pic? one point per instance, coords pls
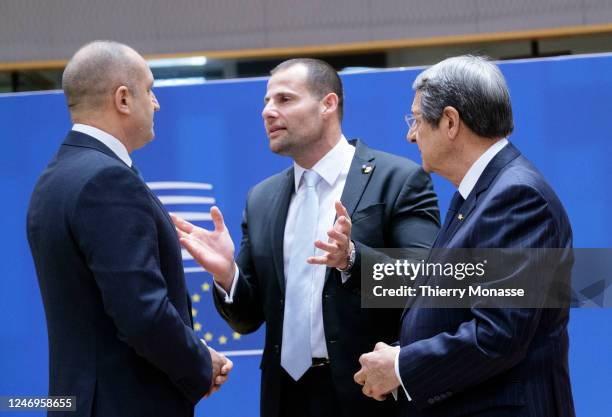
(109, 140)
(471, 177)
(330, 166)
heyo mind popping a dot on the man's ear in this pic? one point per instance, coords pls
(122, 100)
(329, 104)
(451, 121)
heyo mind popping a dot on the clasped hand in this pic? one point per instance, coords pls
(221, 367)
(377, 374)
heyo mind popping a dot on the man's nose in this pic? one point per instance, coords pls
(269, 111)
(156, 105)
(411, 136)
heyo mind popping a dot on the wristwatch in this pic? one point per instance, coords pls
(350, 259)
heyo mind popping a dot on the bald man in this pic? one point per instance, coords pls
(107, 256)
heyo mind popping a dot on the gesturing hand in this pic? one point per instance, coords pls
(213, 250)
(339, 243)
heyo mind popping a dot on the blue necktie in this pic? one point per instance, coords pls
(296, 356)
(455, 204)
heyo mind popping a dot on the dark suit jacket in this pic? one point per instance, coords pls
(493, 362)
(111, 278)
(392, 206)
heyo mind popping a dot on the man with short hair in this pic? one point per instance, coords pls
(341, 198)
(490, 362)
(107, 257)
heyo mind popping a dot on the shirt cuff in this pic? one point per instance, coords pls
(397, 373)
(344, 276)
(228, 298)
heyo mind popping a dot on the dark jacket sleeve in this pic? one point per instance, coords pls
(245, 316)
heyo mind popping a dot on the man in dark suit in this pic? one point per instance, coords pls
(340, 198)
(107, 256)
(480, 361)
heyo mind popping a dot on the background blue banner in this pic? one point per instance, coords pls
(213, 135)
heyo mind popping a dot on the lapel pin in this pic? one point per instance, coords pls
(460, 217)
(366, 169)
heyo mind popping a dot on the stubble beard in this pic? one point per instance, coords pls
(294, 148)
(283, 145)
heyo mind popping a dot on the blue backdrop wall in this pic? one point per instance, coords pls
(212, 136)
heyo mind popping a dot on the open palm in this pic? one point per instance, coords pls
(212, 249)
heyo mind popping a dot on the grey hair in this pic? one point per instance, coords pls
(95, 71)
(475, 87)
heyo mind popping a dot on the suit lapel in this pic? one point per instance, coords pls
(499, 161)
(279, 209)
(359, 175)
(455, 222)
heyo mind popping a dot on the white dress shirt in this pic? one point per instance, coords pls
(466, 186)
(471, 177)
(109, 140)
(333, 169)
